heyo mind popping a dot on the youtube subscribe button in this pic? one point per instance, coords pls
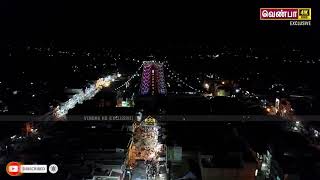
(34, 168)
(17, 169)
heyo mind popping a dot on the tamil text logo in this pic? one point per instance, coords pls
(285, 13)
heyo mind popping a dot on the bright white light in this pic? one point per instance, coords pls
(39, 138)
(118, 75)
(158, 147)
(256, 172)
(316, 133)
(139, 116)
(206, 85)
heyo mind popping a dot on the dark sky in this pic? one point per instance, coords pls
(79, 23)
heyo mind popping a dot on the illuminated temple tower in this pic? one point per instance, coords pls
(152, 82)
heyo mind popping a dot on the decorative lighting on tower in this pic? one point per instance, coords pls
(153, 81)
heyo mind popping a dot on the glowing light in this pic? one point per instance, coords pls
(206, 85)
(152, 72)
(82, 96)
(102, 83)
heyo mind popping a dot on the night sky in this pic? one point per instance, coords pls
(79, 23)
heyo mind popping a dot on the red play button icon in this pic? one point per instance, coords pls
(14, 169)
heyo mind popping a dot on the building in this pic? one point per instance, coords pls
(152, 82)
